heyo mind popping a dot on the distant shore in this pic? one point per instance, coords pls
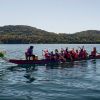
(22, 34)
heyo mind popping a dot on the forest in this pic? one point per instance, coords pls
(22, 34)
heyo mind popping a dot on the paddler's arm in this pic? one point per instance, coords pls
(71, 57)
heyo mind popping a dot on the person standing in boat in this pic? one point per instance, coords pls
(29, 53)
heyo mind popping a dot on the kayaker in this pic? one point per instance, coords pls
(29, 53)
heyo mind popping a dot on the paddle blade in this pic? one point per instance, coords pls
(1, 55)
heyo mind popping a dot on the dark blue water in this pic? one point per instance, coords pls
(77, 81)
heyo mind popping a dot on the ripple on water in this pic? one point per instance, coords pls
(78, 81)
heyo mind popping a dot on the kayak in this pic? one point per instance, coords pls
(46, 61)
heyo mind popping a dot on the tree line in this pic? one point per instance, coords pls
(26, 34)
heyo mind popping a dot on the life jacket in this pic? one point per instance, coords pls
(93, 53)
(57, 55)
(67, 55)
(47, 55)
(73, 54)
(81, 55)
(84, 54)
(51, 56)
(76, 55)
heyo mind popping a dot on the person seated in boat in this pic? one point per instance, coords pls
(67, 55)
(93, 52)
(83, 53)
(29, 53)
(52, 56)
(61, 55)
(72, 53)
(76, 54)
(62, 52)
(46, 54)
(56, 54)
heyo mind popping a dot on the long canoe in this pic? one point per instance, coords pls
(46, 61)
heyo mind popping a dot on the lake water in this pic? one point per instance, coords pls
(78, 81)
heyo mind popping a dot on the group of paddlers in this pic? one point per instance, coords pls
(63, 55)
(69, 54)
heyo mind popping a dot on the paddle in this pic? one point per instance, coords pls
(1, 54)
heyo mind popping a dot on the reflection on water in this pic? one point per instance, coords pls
(75, 68)
(28, 71)
(78, 80)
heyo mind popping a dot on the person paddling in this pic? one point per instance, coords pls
(94, 52)
(29, 53)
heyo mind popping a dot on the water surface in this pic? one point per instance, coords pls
(77, 81)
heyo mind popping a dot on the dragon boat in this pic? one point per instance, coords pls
(46, 61)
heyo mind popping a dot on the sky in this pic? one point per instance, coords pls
(60, 16)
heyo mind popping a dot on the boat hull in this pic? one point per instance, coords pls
(45, 61)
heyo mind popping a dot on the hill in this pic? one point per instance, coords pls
(26, 34)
